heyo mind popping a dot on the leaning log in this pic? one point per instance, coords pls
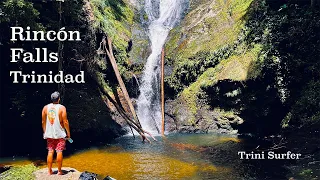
(122, 86)
(135, 124)
(162, 92)
(123, 113)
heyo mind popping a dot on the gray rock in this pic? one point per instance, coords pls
(206, 119)
(69, 174)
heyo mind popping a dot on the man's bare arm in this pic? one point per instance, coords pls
(65, 121)
(44, 118)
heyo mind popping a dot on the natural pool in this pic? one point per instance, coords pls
(178, 156)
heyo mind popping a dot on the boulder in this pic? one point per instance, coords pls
(69, 174)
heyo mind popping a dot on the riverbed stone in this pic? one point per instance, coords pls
(69, 174)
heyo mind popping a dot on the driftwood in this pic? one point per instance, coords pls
(135, 124)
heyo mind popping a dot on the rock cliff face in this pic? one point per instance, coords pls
(140, 40)
(237, 65)
(205, 49)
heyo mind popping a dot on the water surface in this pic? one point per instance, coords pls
(178, 156)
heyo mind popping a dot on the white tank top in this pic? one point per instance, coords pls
(54, 129)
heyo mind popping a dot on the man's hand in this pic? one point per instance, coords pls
(68, 137)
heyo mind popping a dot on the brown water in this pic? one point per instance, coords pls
(196, 156)
(131, 159)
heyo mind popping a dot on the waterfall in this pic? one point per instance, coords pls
(162, 15)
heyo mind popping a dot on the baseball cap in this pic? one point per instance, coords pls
(55, 96)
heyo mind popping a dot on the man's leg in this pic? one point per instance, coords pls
(59, 162)
(49, 161)
(60, 147)
(50, 147)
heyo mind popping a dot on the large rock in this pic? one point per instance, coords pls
(180, 118)
(69, 174)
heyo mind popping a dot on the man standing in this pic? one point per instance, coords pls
(54, 124)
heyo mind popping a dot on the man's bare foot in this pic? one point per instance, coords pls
(60, 173)
(50, 172)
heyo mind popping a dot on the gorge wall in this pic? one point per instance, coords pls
(232, 66)
(243, 66)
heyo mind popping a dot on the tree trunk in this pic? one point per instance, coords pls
(122, 86)
(312, 3)
(61, 87)
(134, 124)
(123, 113)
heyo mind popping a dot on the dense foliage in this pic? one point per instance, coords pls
(290, 37)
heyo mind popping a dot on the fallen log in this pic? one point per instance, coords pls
(162, 92)
(123, 113)
(122, 86)
(135, 124)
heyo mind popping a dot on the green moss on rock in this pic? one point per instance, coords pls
(208, 26)
(19, 172)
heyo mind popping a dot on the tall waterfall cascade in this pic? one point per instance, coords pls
(163, 15)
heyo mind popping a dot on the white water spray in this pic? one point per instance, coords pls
(170, 12)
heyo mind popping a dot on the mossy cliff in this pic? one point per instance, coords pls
(208, 47)
(233, 67)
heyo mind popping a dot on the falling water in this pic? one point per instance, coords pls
(170, 12)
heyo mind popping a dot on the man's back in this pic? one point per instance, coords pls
(61, 112)
(54, 117)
